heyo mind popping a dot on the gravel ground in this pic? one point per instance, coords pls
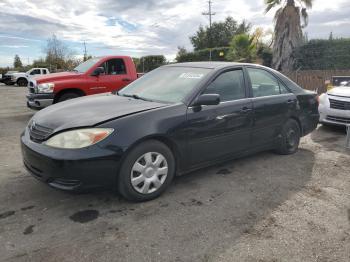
(261, 208)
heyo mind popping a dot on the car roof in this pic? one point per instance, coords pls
(211, 64)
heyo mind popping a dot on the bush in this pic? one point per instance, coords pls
(148, 63)
(324, 54)
(217, 54)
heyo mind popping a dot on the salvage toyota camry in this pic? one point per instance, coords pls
(174, 119)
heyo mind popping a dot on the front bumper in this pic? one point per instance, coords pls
(333, 116)
(71, 170)
(39, 101)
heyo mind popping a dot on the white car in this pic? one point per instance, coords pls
(334, 106)
(22, 79)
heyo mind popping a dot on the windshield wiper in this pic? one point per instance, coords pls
(135, 97)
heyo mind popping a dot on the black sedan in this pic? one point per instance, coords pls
(173, 120)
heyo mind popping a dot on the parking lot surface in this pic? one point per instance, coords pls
(263, 208)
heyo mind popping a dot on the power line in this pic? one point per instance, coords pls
(209, 14)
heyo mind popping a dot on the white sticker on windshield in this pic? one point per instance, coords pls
(191, 75)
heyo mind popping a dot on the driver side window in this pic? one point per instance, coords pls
(114, 67)
(229, 85)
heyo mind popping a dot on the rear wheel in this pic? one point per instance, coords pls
(22, 82)
(67, 96)
(8, 83)
(290, 138)
(146, 172)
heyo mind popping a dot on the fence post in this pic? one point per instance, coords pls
(347, 136)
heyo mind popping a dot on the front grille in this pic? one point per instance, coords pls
(33, 170)
(65, 182)
(338, 104)
(39, 133)
(31, 87)
(344, 120)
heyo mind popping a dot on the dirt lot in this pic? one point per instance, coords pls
(260, 208)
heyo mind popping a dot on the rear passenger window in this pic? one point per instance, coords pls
(229, 85)
(264, 83)
(114, 67)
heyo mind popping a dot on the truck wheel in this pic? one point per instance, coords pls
(146, 172)
(22, 82)
(9, 83)
(67, 96)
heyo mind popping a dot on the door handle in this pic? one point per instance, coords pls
(246, 110)
(290, 101)
(126, 79)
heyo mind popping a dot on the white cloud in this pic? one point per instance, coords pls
(137, 27)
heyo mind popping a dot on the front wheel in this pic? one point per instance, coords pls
(22, 82)
(290, 138)
(67, 96)
(146, 172)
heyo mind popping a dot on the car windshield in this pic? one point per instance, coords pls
(82, 68)
(165, 84)
(345, 83)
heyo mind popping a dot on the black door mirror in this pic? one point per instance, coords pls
(207, 100)
(98, 71)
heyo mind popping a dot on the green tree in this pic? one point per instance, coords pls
(219, 35)
(290, 18)
(148, 63)
(17, 63)
(181, 52)
(242, 49)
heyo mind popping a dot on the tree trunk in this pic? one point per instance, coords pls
(288, 36)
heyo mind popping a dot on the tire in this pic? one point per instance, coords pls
(151, 180)
(9, 83)
(290, 138)
(67, 96)
(22, 82)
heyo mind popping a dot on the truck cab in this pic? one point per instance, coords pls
(94, 76)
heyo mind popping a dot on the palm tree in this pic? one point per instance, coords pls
(242, 48)
(290, 18)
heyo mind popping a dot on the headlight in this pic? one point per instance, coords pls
(323, 99)
(45, 88)
(79, 138)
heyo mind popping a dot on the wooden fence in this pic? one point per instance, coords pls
(315, 79)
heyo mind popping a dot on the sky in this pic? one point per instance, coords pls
(137, 27)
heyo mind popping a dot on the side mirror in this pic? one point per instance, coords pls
(98, 71)
(207, 100)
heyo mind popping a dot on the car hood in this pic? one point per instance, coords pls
(340, 91)
(56, 76)
(90, 111)
(19, 74)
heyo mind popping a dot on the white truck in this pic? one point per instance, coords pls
(22, 79)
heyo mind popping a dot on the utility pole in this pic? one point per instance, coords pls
(209, 14)
(85, 52)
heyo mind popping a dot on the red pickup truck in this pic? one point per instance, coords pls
(97, 75)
